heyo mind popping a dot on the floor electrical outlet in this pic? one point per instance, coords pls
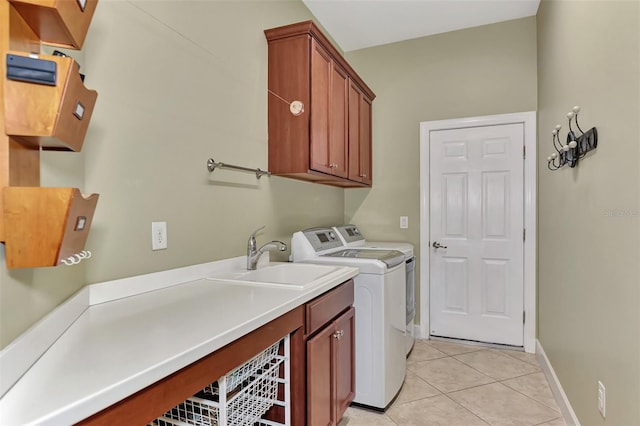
(602, 399)
(158, 235)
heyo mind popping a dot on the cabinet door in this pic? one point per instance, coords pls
(360, 169)
(320, 380)
(329, 85)
(338, 122)
(365, 140)
(345, 362)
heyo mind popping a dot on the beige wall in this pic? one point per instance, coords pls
(589, 217)
(178, 82)
(479, 71)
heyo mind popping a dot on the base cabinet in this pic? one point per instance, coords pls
(330, 355)
(330, 369)
(344, 357)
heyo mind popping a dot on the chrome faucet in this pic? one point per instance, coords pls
(253, 254)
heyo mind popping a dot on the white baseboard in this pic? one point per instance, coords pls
(417, 332)
(569, 415)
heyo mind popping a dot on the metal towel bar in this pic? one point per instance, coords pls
(211, 166)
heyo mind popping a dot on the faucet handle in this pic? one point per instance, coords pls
(253, 234)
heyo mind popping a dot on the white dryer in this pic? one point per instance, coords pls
(380, 311)
(351, 236)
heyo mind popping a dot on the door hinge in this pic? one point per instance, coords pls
(524, 151)
(524, 234)
(523, 317)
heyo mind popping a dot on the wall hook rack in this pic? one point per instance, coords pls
(575, 147)
(76, 258)
(212, 165)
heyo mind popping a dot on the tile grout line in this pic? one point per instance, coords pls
(506, 352)
(457, 390)
(495, 380)
(548, 421)
(448, 394)
(467, 409)
(502, 380)
(533, 399)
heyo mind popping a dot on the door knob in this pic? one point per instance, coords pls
(437, 245)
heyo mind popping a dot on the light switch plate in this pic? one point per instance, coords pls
(602, 399)
(404, 222)
(158, 235)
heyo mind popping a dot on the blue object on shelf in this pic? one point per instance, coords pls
(32, 70)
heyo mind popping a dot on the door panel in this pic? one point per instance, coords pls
(494, 287)
(495, 205)
(359, 135)
(456, 284)
(476, 214)
(320, 390)
(344, 362)
(320, 108)
(366, 170)
(454, 193)
(338, 146)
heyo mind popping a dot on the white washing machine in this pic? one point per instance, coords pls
(379, 301)
(352, 237)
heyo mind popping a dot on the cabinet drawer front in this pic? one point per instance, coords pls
(326, 307)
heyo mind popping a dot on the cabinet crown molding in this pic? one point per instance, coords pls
(311, 29)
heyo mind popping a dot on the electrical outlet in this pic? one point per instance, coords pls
(602, 399)
(158, 235)
(404, 222)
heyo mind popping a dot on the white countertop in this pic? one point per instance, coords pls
(119, 347)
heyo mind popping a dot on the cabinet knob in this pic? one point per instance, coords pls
(338, 334)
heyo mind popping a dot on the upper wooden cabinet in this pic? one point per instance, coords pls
(315, 143)
(61, 23)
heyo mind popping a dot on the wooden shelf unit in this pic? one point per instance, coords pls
(53, 117)
(45, 225)
(38, 225)
(61, 23)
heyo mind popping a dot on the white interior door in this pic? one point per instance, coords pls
(476, 215)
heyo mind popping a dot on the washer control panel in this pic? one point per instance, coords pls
(349, 233)
(322, 239)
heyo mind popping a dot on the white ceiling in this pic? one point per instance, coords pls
(356, 24)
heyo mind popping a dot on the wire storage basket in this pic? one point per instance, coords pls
(240, 397)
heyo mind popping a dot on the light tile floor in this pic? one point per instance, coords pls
(451, 384)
